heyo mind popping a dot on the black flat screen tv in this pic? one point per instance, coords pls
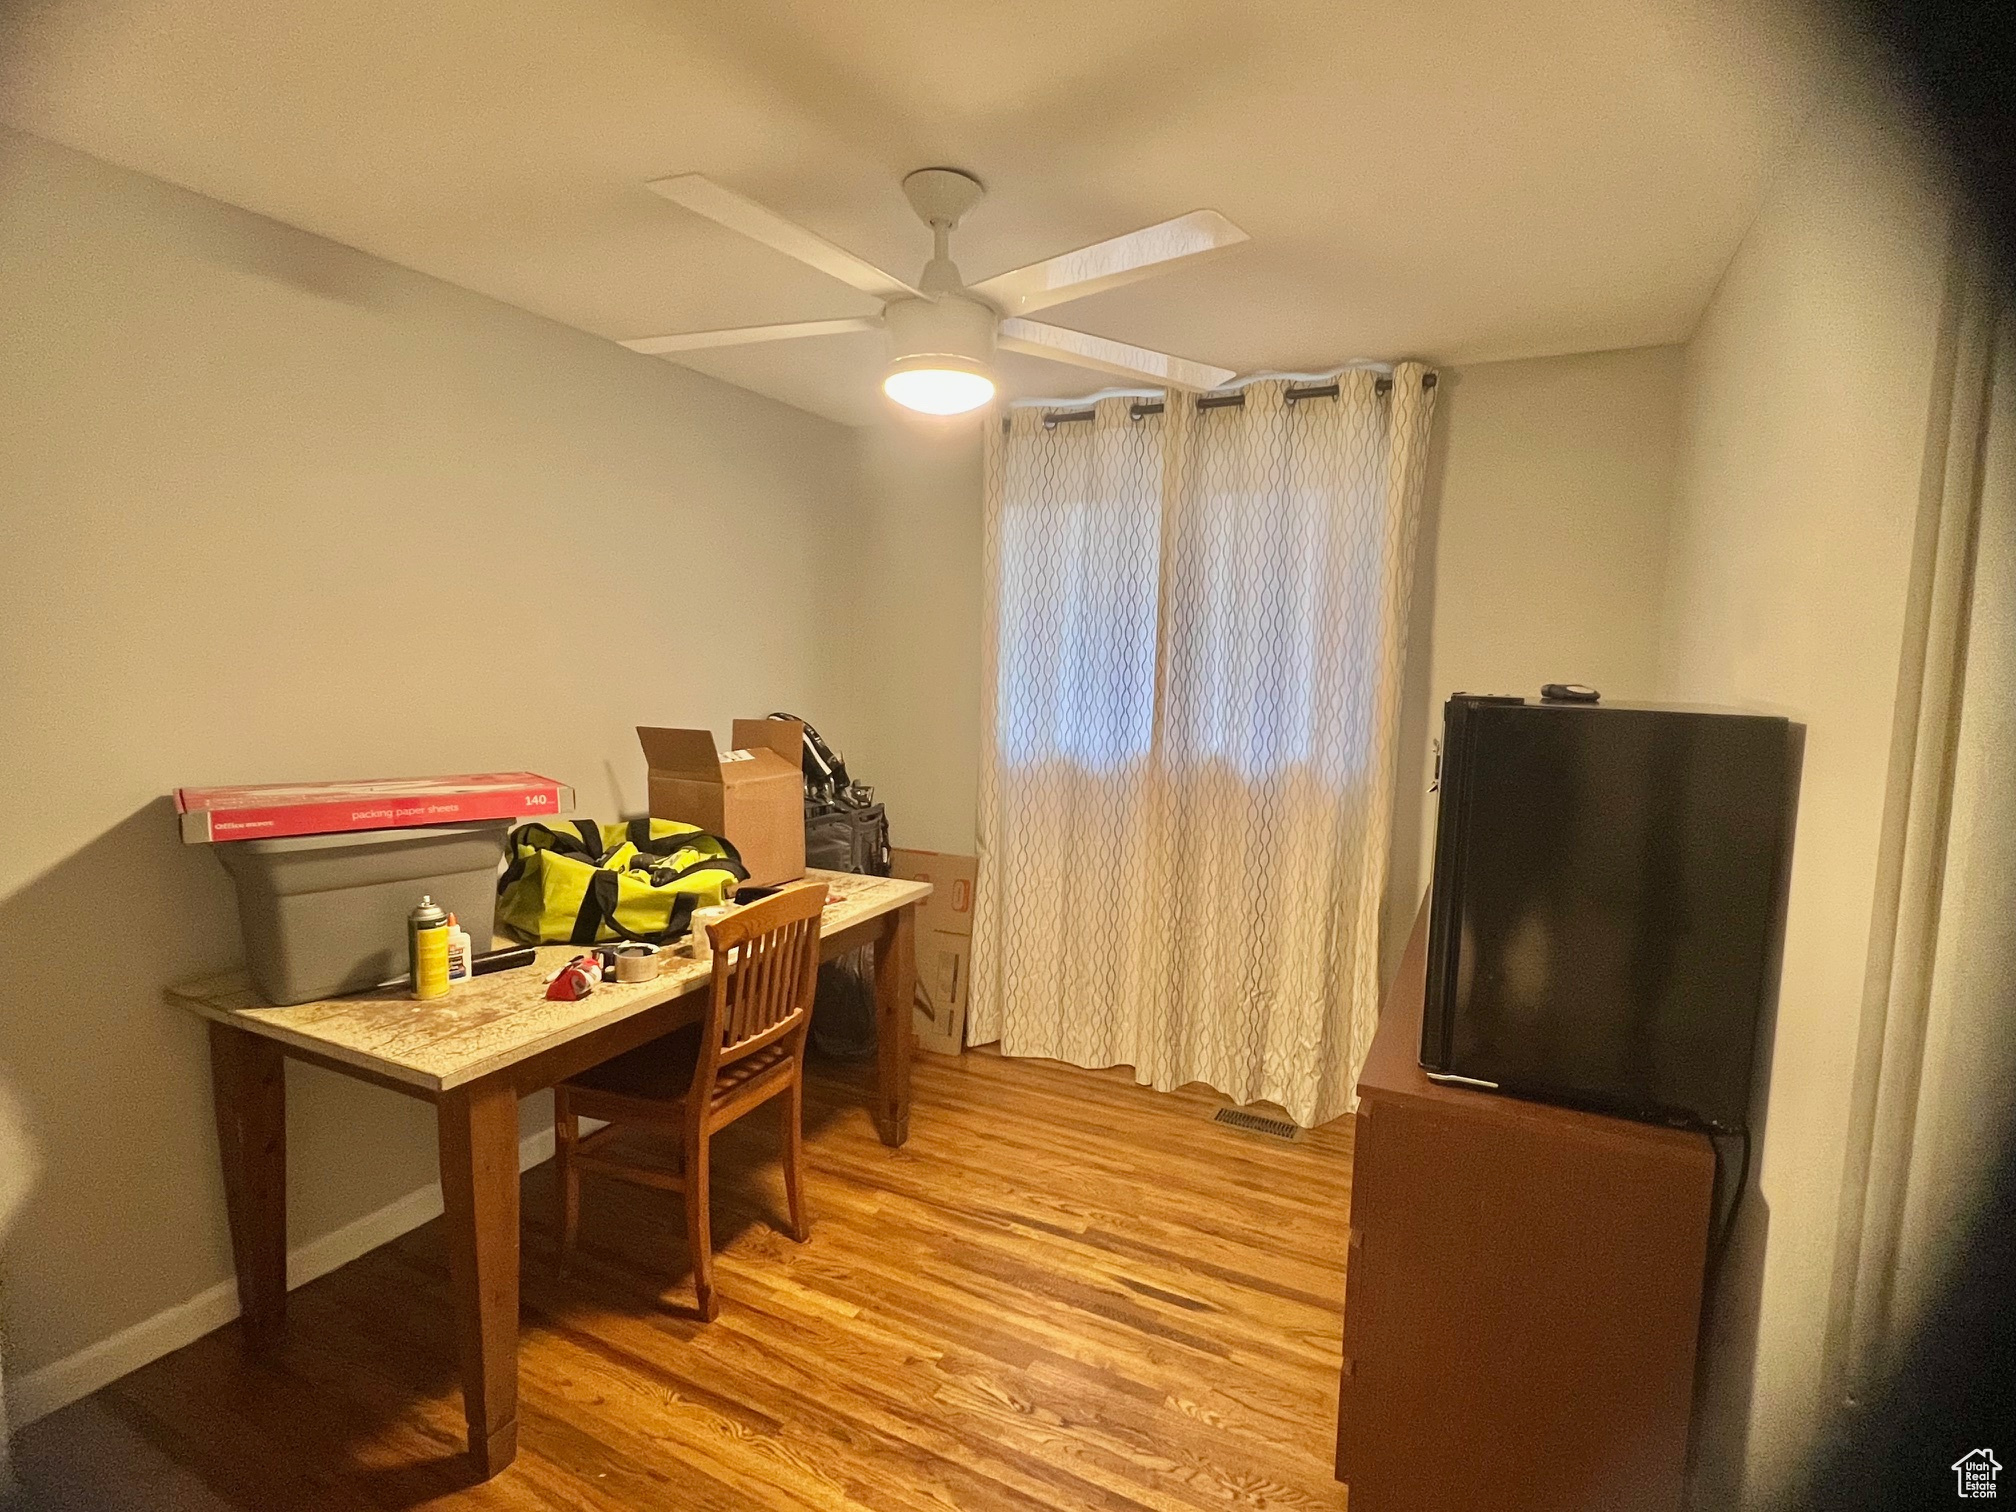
(1607, 904)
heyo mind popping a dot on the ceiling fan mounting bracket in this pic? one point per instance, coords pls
(940, 196)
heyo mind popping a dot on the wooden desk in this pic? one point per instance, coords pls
(473, 1054)
(1523, 1297)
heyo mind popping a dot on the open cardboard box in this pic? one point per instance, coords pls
(944, 943)
(752, 796)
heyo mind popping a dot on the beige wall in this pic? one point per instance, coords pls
(1542, 545)
(904, 705)
(275, 509)
(1803, 435)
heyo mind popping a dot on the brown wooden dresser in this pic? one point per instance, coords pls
(1523, 1298)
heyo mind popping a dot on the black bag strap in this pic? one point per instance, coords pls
(598, 910)
(661, 877)
(663, 846)
(594, 909)
(824, 766)
(528, 840)
(541, 836)
(513, 872)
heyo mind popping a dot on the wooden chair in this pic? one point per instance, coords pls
(749, 1049)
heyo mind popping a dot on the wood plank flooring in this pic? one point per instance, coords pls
(1065, 1292)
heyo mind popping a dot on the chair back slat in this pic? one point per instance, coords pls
(751, 1052)
(766, 966)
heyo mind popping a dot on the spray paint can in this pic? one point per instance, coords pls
(427, 949)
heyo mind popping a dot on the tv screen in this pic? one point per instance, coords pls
(1607, 903)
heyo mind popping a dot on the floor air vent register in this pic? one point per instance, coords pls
(1255, 1123)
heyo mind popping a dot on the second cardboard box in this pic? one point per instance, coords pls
(944, 943)
(752, 796)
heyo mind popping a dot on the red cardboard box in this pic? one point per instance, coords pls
(328, 808)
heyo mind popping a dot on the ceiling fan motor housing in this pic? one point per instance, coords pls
(951, 330)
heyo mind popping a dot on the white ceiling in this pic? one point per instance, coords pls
(1462, 181)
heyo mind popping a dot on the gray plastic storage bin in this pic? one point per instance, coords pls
(326, 914)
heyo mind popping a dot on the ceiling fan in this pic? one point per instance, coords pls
(943, 333)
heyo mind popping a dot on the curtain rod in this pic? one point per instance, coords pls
(1140, 408)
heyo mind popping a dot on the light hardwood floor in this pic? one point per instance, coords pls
(1065, 1292)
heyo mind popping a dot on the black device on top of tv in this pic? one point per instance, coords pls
(1608, 903)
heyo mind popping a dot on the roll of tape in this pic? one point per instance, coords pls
(636, 963)
(698, 943)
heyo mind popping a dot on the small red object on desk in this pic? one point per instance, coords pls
(576, 979)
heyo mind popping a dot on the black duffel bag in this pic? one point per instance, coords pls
(846, 830)
(848, 840)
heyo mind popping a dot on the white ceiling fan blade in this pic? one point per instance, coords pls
(694, 341)
(1035, 339)
(1110, 263)
(701, 195)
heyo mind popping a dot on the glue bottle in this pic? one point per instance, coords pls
(458, 951)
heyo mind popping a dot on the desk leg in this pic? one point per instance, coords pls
(895, 997)
(248, 1081)
(479, 1191)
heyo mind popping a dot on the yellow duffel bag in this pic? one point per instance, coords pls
(577, 882)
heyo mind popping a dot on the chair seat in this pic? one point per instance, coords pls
(662, 1070)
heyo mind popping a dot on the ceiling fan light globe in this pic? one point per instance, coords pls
(939, 390)
(941, 354)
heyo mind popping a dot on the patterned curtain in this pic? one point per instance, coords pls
(1195, 626)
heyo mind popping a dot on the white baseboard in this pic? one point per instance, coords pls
(61, 1382)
